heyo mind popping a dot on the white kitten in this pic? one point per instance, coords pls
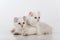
(33, 20)
(22, 27)
(19, 24)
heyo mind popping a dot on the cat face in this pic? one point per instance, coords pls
(34, 17)
(20, 21)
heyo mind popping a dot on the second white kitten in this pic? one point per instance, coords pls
(33, 20)
(22, 28)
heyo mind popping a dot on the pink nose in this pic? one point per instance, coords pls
(21, 25)
(38, 20)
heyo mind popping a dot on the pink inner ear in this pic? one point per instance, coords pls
(15, 19)
(30, 13)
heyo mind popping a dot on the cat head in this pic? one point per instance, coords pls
(34, 17)
(20, 22)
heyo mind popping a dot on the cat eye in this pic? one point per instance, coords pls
(39, 17)
(23, 22)
(19, 23)
(35, 17)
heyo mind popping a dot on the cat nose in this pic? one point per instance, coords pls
(21, 25)
(38, 20)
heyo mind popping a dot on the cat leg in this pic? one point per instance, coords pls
(15, 33)
(25, 35)
(46, 33)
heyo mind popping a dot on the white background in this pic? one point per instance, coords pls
(49, 9)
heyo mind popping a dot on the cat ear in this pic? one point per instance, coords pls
(15, 19)
(24, 18)
(31, 13)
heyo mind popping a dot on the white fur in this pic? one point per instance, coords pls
(45, 28)
(34, 22)
(27, 29)
(18, 28)
(31, 25)
(41, 28)
(31, 19)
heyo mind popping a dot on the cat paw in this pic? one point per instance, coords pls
(17, 34)
(45, 33)
(26, 35)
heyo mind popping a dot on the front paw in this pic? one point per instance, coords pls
(45, 33)
(17, 34)
(25, 35)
